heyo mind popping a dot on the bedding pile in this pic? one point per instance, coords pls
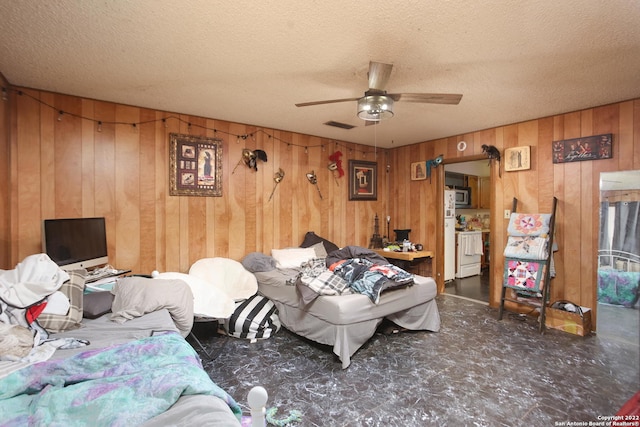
(352, 269)
(337, 297)
(121, 385)
(366, 272)
(23, 290)
(367, 278)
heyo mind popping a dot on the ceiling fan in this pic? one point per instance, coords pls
(377, 104)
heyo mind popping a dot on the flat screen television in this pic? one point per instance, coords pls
(74, 243)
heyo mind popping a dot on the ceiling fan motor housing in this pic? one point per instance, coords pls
(375, 107)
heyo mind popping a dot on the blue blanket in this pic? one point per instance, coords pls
(121, 385)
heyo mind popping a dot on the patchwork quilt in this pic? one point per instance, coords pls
(524, 275)
(526, 247)
(524, 224)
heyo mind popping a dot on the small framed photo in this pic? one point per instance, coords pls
(195, 166)
(363, 180)
(418, 171)
(517, 158)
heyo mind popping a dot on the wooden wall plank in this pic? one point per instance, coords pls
(148, 207)
(127, 186)
(6, 130)
(68, 157)
(27, 161)
(160, 190)
(47, 158)
(173, 247)
(88, 131)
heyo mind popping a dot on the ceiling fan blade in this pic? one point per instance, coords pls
(379, 75)
(428, 98)
(330, 101)
(371, 122)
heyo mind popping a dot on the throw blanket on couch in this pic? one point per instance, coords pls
(121, 385)
(348, 270)
(365, 277)
(316, 279)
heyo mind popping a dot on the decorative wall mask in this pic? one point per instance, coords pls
(277, 179)
(433, 163)
(336, 166)
(313, 179)
(250, 158)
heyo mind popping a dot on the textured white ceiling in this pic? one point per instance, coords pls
(250, 62)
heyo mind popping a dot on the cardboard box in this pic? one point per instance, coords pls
(568, 321)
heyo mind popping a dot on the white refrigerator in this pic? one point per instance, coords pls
(449, 235)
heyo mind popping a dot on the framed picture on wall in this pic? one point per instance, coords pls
(363, 180)
(418, 171)
(595, 147)
(517, 158)
(195, 165)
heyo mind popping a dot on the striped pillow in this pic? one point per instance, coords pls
(73, 289)
(254, 318)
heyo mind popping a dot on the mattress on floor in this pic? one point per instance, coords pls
(347, 322)
(354, 308)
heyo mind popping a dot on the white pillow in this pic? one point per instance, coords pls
(227, 275)
(292, 257)
(208, 301)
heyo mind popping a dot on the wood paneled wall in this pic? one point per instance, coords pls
(576, 185)
(70, 168)
(67, 168)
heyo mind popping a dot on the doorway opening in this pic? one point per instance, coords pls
(467, 244)
(618, 309)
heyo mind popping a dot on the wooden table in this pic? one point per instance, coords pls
(417, 262)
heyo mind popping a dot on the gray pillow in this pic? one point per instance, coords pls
(312, 238)
(321, 251)
(257, 262)
(96, 304)
(137, 296)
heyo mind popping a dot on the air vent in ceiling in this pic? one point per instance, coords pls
(339, 125)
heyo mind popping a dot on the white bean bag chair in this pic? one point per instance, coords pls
(208, 299)
(227, 275)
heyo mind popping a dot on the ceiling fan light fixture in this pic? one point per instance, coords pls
(374, 108)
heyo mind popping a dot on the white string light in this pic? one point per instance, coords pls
(165, 120)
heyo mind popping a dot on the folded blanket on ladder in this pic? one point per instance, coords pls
(526, 247)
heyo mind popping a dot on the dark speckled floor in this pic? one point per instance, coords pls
(477, 371)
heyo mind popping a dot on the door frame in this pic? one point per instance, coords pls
(439, 267)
